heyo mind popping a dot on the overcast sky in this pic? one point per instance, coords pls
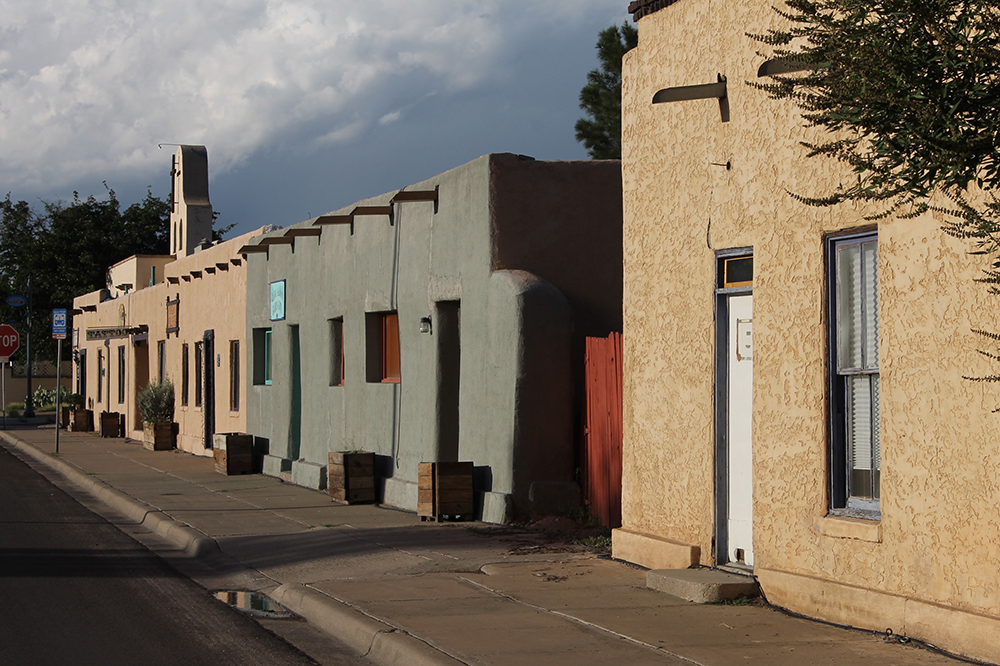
(304, 106)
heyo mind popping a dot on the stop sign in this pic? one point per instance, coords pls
(9, 340)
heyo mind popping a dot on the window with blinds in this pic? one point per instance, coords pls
(856, 449)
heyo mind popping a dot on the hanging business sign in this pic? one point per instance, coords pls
(16, 301)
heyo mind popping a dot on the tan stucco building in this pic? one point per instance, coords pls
(794, 395)
(180, 317)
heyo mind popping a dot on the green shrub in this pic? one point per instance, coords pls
(156, 402)
(43, 397)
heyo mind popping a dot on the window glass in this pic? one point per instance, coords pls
(337, 351)
(161, 348)
(234, 375)
(185, 375)
(121, 374)
(267, 357)
(198, 372)
(390, 347)
(856, 449)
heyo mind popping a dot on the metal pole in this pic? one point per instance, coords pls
(3, 392)
(29, 407)
(58, 388)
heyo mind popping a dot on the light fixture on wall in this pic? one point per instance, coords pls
(425, 324)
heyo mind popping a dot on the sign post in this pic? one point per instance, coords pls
(58, 334)
(9, 342)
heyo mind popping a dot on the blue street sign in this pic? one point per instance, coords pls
(59, 324)
(16, 301)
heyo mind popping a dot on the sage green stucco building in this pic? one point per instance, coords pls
(443, 322)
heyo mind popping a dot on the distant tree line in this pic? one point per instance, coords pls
(66, 250)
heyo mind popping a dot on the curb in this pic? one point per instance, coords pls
(191, 541)
(369, 637)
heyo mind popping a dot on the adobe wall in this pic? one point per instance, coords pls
(516, 385)
(211, 298)
(925, 569)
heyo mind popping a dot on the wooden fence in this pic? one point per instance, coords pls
(602, 459)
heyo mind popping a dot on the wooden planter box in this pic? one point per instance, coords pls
(83, 420)
(350, 477)
(233, 453)
(444, 491)
(158, 436)
(64, 417)
(110, 424)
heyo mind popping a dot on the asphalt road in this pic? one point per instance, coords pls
(75, 590)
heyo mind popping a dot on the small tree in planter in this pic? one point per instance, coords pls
(70, 403)
(156, 406)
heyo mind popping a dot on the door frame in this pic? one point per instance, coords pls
(720, 544)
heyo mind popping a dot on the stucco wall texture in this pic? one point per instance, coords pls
(211, 298)
(928, 567)
(523, 251)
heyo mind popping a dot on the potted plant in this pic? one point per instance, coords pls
(70, 403)
(156, 407)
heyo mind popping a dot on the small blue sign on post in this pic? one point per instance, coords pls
(59, 324)
(16, 301)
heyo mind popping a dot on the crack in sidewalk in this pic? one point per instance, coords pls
(585, 623)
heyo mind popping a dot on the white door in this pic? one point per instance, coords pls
(738, 437)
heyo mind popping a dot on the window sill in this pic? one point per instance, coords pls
(843, 527)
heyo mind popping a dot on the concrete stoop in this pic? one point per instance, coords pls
(702, 585)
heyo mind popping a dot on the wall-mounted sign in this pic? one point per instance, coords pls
(112, 333)
(173, 316)
(278, 300)
(744, 339)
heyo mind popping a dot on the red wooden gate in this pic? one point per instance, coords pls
(602, 459)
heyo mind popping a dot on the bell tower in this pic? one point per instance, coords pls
(190, 209)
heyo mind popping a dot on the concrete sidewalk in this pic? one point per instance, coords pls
(404, 592)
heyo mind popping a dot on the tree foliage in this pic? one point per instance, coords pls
(601, 98)
(66, 249)
(909, 91)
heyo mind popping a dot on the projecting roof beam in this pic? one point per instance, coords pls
(249, 249)
(778, 66)
(298, 231)
(333, 219)
(704, 91)
(415, 195)
(278, 240)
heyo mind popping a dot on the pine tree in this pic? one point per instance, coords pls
(601, 98)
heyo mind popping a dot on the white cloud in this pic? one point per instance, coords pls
(390, 118)
(91, 86)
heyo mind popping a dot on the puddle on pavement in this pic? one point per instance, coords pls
(254, 603)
